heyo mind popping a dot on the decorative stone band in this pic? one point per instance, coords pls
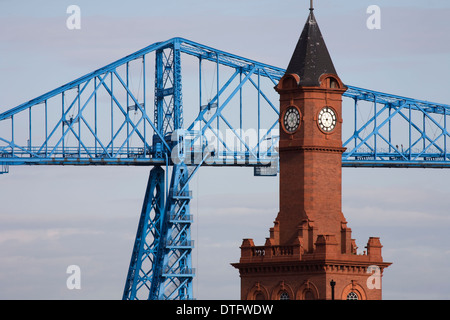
(314, 148)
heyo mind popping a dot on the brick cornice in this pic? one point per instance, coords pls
(315, 266)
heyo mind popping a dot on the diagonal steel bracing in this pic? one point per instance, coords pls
(138, 111)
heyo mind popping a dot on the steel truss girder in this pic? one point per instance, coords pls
(76, 103)
(136, 139)
(396, 132)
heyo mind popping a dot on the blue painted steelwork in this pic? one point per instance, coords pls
(148, 238)
(396, 131)
(70, 133)
(174, 264)
(161, 266)
(130, 136)
(109, 117)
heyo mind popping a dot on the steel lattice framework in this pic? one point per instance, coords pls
(110, 117)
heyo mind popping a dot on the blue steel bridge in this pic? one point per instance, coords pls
(176, 106)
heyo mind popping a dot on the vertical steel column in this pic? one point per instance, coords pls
(410, 124)
(445, 134)
(259, 112)
(141, 272)
(29, 131)
(112, 113)
(62, 122)
(356, 122)
(79, 120)
(218, 99)
(46, 129)
(240, 108)
(144, 105)
(128, 105)
(390, 129)
(95, 117)
(375, 126)
(423, 131)
(159, 103)
(168, 114)
(177, 95)
(13, 148)
(163, 240)
(174, 262)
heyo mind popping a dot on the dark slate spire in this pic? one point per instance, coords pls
(311, 58)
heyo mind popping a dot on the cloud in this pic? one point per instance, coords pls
(54, 217)
(24, 237)
(416, 205)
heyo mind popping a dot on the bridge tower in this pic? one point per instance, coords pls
(310, 253)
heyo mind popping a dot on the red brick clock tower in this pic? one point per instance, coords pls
(310, 253)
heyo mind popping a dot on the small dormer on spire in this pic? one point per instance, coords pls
(311, 58)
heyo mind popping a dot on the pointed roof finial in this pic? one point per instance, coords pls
(311, 6)
(311, 58)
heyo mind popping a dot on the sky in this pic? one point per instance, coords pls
(54, 217)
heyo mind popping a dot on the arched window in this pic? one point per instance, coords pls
(284, 296)
(353, 291)
(259, 296)
(330, 82)
(308, 295)
(352, 296)
(333, 83)
(289, 81)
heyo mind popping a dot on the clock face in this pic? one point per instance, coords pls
(291, 119)
(327, 119)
